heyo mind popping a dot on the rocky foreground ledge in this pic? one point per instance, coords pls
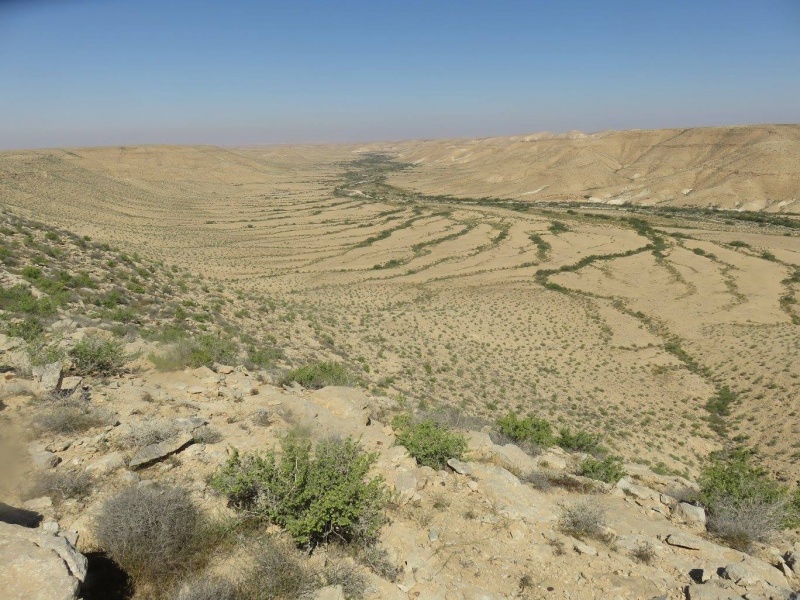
(483, 528)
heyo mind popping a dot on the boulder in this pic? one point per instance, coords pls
(70, 384)
(49, 376)
(156, 452)
(740, 575)
(107, 464)
(45, 460)
(639, 492)
(691, 515)
(38, 565)
(459, 467)
(512, 458)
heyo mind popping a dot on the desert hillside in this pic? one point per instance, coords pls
(751, 168)
(542, 390)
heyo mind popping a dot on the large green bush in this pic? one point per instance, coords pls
(609, 469)
(98, 356)
(315, 493)
(321, 374)
(744, 503)
(429, 442)
(579, 441)
(527, 430)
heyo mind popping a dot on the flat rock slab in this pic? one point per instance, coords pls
(709, 591)
(681, 540)
(155, 452)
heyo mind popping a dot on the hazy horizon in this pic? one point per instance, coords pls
(93, 73)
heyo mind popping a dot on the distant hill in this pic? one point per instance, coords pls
(753, 168)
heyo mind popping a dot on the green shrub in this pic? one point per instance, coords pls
(744, 503)
(204, 350)
(19, 299)
(314, 493)
(27, 329)
(529, 429)
(321, 374)
(731, 475)
(609, 469)
(40, 352)
(580, 441)
(429, 442)
(98, 356)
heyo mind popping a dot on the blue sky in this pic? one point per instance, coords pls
(106, 72)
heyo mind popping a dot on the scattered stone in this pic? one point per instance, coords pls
(45, 460)
(155, 452)
(196, 390)
(191, 423)
(222, 369)
(681, 540)
(59, 446)
(582, 548)
(433, 535)
(459, 467)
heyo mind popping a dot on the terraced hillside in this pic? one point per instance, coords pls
(667, 331)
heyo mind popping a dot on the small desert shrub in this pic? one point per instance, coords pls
(377, 559)
(428, 442)
(61, 485)
(207, 435)
(744, 503)
(643, 552)
(579, 441)
(147, 433)
(528, 431)
(740, 523)
(314, 493)
(609, 469)
(319, 375)
(538, 480)
(151, 532)
(262, 418)
(70, 416)
(98, 356)
(195, 352)
(348, 575)
(28, 329)
(277, 572)
(583, 520)
(439, 501)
